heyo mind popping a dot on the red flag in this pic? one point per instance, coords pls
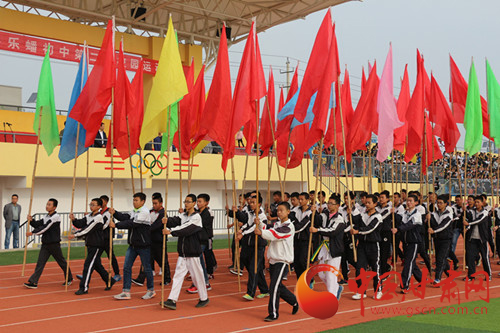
(364, 120)
(315, 67)
(458, 96)
(294, 85)
(281, 102)
(217, 112)
(136, 110)
(268, 118)
(197, 107)
(123, 94)
(440, 114)
(432, 152)
(185, 116)
(243, 107)
(258, 85)
(363, 78)
(92, 104)
(402, 105)
(415, 114)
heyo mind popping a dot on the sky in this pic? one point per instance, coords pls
(465, 29)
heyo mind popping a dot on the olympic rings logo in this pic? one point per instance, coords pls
(150, 163)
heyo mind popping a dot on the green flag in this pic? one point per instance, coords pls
(473, 121)
(493, 103)
(166, 142)
(46, 109)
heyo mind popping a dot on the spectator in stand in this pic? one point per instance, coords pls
(101, 139)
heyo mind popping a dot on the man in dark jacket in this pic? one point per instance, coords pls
(157, 252)
(91, 229)
(186, 227)
(138, 223)
(50, 229)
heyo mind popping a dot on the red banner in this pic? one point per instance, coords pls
(13, 42)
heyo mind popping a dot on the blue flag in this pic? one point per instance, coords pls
(289, 108)
(67, 151)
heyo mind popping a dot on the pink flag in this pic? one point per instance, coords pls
(388, 119)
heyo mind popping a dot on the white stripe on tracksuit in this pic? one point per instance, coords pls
(87, 278)
(278, 281)
(410, 272)
(378, 267)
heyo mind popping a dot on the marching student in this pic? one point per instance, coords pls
(106, 217)
(186, 227)
(423, 247)
(477, 238)
(91, 229)
(488, 208)
(138, 222)
(369, 245)
(322, 202)
(242, 200)
(441, 227)
(280, 255)
(247, 240)
(272, 216)
(361, 207)
(205, 235)
(399, 209)
(385, 209)
(50, 229)
(157, 253)
(409, 224)
(496, 213)
(332, 246)
(348, 214)
(294, 200)
(457, 229)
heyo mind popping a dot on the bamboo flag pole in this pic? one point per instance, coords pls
(345, 164)
(72, 206)
(287, 161)
(301, 177)
(180, 156)
(140, 167)
(308, 176)
(426, 179)
(190, 170)
(227, 217)
(166, 203)
(282, 187)
(257, 208)
(407, 166)
(465, 208)
(32, 187)
(130, 157)
(364, 170)
(244, 177)
(314, 210)
(269, 165)
(492, 197)
(111, 132)
(236, 227)
(393, 217)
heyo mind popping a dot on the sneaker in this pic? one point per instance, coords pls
(81, 292)
(270, 318)
(295, 308)
(149, 294)
(455, 267)
(211, 276)
(189, 278)
(285, 278)
(233, 271)
(160, 272)
(123, 295)
(435, 284)
(69, 282)
(135, 281)
(232, 266)
(405, 291)
(113, 281)
(358, 296)
(30, 285)
(202, 304)
(209, 287)
(341, 282)
(248, 297)
(117, 277)
(378, 295)
(169, 304)
(79, 276)
(339, 292)
(192, 289)
(153, 273)
(166, 283)
(259, 296)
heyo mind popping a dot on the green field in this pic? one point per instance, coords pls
(16, 257)
(437, 323)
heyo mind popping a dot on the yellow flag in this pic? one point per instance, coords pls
(169, 86)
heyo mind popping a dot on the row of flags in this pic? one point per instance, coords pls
(319, 110)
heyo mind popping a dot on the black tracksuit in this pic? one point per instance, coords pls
(369, 246)
(348, 255)
(111, 256)
(477, 241)
(442, 224)
(386, 237)
(91, 228)
(302, 222)
(50, 229)
(423, 247)
(409, 225)
(206, 238)
(157, 252)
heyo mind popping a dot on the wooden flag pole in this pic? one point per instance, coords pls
(180, 157)
(364, 170)
(257, 208)
(72, 206)
(236, 228)
(269, 165)
(355, 252)
(244, 177)
(394, 252)
(308, 175)
(32, 188)
(166, 202)
(130, 156)
(190, 170)
(287, 161)
(407, 166)
(426, 180)
(140, 167)
(301, 177)
(370, 171)
(313, 206)
(227, 217)
(492, 197)
(112, 134)
(87, 184)
(465, 209)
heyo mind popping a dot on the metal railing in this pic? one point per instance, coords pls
(219, 225)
